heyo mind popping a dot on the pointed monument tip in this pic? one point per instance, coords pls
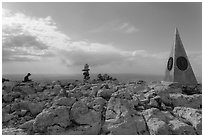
(176, 31)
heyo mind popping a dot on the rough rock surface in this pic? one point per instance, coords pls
(55, 115)
(121, 119)
(163, 122)
(101, 107)
(194, 116)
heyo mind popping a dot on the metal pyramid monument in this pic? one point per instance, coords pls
(178, 67)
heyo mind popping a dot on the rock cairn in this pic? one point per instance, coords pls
(86, 72)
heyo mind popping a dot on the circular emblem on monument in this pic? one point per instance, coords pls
(182, 63)
(170, 63)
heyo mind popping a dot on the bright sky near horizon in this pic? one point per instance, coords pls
(59, 38)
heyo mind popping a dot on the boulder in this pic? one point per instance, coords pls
(7, 117)
(193, 101)
(8, 86)
(56, 115)
(35, 108)
(105, 93)
(7, 98)
(23, 112)
(81, 114)
(157, 121)
(25, 89)
(150, 94)
(122, 119)
(56, 89)
(83, 130)
(153, 103)
(123, 94)
(139, 88)
(27, 125)
(94, 90)
(158, 127)
(194, 116)
(64, 101)
(6, 108)
(54, 130)
(181, 128)
(76, 93)
(167, 89)
(163, 122)
(89, 119)
(15, 94)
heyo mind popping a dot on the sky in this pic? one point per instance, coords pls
(59, 38)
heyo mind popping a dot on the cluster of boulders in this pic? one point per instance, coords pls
(107, 107)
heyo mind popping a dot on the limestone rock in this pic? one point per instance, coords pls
(82, 115)
(7, 117)
(56, 89)
(64, 101)
(150, 94)
(56, 115)
(98, 104)
(121, 118)
(13, 131)
(7, 98)
(193, 101)
(163, 122)
(83, 130)
(93, 129)
(8, 86)
(105, 93)
(158, 127)
(35, 108)
(157, 121)
(54, 130)
(123, 94)
(167, 89)
(181, 128)
(25, 89)
(94, 90)
(153, 103)
(7, 108)
(194, 116)
(138, 89)
(27, 125)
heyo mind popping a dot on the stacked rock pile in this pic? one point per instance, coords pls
(107, 107)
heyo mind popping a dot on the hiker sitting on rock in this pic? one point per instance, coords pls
(26, 79)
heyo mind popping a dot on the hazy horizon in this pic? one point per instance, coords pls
(136, 38)
(123, 77)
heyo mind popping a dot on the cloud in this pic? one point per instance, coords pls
(28, 38)
(126, 28)
(116, 26)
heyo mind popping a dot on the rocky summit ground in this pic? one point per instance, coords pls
(101, 107)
